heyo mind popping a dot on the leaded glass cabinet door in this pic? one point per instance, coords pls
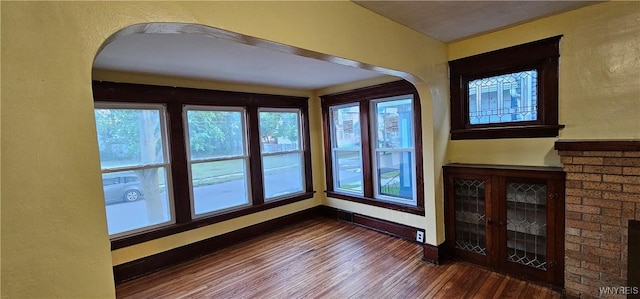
(532, 210)
(507, 218)
(468, 209)
(526, 224)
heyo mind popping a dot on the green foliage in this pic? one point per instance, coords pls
(132, 136)
(118, 134)
(214, 133)
(278, 124)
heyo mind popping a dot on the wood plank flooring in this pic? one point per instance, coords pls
(325, 258)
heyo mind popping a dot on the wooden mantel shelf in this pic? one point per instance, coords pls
(598, 145)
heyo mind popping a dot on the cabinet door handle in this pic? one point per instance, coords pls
(489, 221)
(501, 223)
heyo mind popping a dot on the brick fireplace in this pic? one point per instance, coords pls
(602, 196)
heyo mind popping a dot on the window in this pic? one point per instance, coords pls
(175, 159)
(134, 161)
(393, 151)
(281, 150)
(346, 148)
(218, 159)
(505, 98)
(371, 141)
(508, 93)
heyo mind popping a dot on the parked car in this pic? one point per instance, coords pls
(121, 187)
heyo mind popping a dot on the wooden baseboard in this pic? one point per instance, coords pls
(434, 254)
(153, 263)
(384, 226)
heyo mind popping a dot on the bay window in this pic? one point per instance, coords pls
(373, 146)
(175, 159)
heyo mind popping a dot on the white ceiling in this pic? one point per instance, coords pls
(454, 20)
(227, 58)
(203, 57)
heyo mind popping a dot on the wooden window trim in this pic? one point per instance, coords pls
(175, 98)
(540, 55)
(363, 97)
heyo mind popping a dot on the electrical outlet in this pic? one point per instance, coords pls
(420, 236)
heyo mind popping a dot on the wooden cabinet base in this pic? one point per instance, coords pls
(508, 219)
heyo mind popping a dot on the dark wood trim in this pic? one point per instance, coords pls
(364, 96)
(540, 55)
(526, 131)
(367, 163)
(435, 254)
(387, 227)
(153, 263)
(328, 165)
(368, 93)
(329, 212)
(142, 93)
(503, 170)
(179, 168)
(175, 98)
(306, 141)
(384, 226)
(145, 236)
(598, 145)
(378, 203)
(255, 165)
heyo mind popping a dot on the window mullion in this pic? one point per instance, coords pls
(255, 157)
(366, 154)
(179, 168)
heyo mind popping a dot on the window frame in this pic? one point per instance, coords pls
(191, 161)
(300, 150)
(375, 149)
(365, 97)
(175, 98)
(335, 149)
(165, 164)
(542, 56)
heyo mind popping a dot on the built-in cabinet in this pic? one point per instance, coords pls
(509, 219)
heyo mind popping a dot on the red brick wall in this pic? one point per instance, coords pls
(602, 194)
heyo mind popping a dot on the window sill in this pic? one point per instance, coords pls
(527, 131)
(378, 203)
(125, 241)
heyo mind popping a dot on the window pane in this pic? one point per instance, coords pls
(219, 185)
(129, 137)
(279, 131)
(136, 199)
(346, 126)
(395, 174)
(215, 134)
(505, 98)
(283, 174)
(348, 171)
(394, 124)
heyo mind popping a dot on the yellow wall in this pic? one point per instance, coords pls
(54, 236)
(54, 241)
(599, 92)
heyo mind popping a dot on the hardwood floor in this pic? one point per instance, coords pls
(324, 258)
